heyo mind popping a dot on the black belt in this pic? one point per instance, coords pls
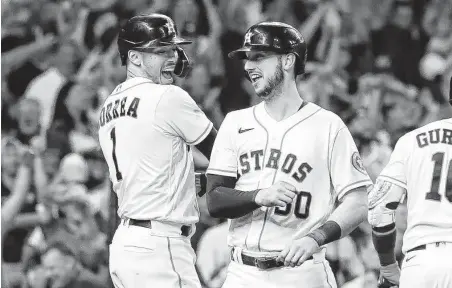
(263, 262)
(184, 230)
(423, 247)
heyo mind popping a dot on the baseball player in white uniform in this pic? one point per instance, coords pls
(147, 128)
(420, 170)
(279, 169)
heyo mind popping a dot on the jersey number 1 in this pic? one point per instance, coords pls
(438, 159)
(115, 161)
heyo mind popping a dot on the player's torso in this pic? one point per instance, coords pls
(429, 185)
(149, 167)
(294, 150)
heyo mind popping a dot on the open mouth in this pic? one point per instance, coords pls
(168, 71)
(255, 77)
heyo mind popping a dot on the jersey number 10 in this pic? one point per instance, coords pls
(115, 161)
(438, 159)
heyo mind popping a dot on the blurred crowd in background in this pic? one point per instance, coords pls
(383, 66)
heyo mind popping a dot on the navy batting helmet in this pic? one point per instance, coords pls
(277, 37)
(144, 32)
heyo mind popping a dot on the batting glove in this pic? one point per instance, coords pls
(389, 275)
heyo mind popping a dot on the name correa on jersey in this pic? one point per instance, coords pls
(118, 109)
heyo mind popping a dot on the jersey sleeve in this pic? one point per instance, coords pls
(178, 114)
(223, 160)
(347, 170)
(394, 171)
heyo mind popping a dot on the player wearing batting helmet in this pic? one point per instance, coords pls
(274, 37)
(147, 32)
(278, 168)
(147, 128)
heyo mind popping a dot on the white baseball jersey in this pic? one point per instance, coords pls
(312, 150)
(145, 132)
(422, 164)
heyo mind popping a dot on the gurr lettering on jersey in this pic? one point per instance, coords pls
(118, 109)
(253, 160)
(434, 136)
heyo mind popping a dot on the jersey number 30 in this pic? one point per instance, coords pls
(438, 159)
(115, 161)
(302, 204)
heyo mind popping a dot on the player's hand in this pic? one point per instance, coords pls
(390, 273)
(298, 251)
(279, 194)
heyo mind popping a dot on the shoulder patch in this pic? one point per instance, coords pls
(358, 163)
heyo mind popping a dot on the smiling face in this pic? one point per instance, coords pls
(157, 64)
(265, 72)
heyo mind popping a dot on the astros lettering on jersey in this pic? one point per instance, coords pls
(312, 150)
(146, 144)
(422, 164)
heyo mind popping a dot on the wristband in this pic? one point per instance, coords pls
(328, 232)
(384, 239)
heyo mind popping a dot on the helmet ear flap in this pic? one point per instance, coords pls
(183, 65)
(299, 66)
(300, 63)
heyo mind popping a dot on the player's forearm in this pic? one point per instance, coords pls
(223, 202)
(348, 215)
(384, 242)
(352, 211)
(383, 200)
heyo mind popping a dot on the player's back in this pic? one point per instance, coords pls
(427, 160)
(150, 163)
